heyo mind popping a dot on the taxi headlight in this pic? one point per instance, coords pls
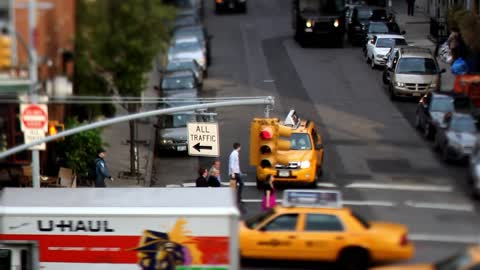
(305, 164)
(166, 141)
(336, 23)
(309, 23)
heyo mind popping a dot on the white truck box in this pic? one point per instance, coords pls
(118, 228)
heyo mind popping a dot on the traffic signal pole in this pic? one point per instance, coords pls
(267, 101)
(32, 11)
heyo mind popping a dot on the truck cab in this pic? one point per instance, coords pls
(322, 19)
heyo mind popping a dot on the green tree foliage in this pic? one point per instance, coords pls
(117, 43)
(79, 150)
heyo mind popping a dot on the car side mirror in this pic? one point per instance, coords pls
(156, 126)
(403, 32)
(156, 87)
(443, 70)
(319, 146)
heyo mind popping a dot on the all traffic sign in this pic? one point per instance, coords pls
(203, 139)
(34, 116)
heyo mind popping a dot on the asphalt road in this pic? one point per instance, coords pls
(384, 168)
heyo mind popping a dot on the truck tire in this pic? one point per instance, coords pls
(354, 258)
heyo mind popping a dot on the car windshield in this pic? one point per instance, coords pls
(459, 261)
(181, 65)
(189, 32)
(416, 65)
(255, 220)
(390, 42)
(177, 120)
(463, 124)
(322, 6)
(383, 28)
(187, 46)
(180, 82)
(442, 105)
(300, 141)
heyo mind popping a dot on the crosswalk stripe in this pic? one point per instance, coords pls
(409, 187)
(460, 239)
(441, 206)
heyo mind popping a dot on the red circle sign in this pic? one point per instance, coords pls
(34, 117)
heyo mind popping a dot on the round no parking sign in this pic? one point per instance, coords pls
(34, 116)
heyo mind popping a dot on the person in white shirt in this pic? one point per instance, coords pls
(234, 169)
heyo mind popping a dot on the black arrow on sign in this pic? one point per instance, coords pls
(199, 147)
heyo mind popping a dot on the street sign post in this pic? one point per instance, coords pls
(203, 139)
(34, 123)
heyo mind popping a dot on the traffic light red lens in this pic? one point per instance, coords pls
(265, 135)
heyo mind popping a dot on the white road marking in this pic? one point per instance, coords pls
(323, 184)
(410, 187)
(370, 203)
(268, 81)
(441, 206)
(173, 186)
(461, 239)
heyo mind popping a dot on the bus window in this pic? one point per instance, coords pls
(5, 259)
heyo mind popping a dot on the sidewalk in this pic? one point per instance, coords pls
(118, 148)
(418, 29)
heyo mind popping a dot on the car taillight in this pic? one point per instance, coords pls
(404, 240)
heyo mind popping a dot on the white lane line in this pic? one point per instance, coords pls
(370, 203)
(173, 186)
(410, 187)
(441, 206)
(461, 239)
(330, 185)
(268, 81)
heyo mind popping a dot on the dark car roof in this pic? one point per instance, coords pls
(179, 73)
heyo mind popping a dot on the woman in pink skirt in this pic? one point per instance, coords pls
(269, 200)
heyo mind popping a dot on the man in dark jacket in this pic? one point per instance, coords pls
(202, 180)
(101, 169)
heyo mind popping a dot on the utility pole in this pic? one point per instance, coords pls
(32, 21)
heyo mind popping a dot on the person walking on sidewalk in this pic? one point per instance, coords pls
(410, 7)
(101, 169)
(234, 170)
(269, 199)
(202, 180)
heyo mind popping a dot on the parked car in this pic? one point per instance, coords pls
(178, 82)
(198, 31)
(474, 171)
(389, 61)
(378, 47)
(360, 17)
(223, 5)
(186, 17)
(414, 72)
(373, 28)
(349, 6)
(186, 64)
(172, 131)
(456, 136)
(433, 106)
(188, 50)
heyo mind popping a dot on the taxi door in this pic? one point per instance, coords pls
(278, 238)
(323, 236)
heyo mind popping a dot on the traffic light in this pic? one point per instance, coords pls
(5, 51)
(266, 141)
(55, 127)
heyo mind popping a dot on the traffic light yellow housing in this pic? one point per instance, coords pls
(266, 140)
(5, 52)
(55, 127)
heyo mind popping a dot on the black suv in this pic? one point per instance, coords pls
(360, 17)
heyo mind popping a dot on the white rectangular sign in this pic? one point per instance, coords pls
(31, 135)
(203, 139)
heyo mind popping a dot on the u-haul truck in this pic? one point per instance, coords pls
(118, 228)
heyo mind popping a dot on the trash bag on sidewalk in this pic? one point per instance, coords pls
(444, 53)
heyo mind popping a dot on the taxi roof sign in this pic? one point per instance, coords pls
(312, 198)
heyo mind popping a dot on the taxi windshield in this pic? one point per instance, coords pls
(255, 220)
(300, 141)
(459, 261)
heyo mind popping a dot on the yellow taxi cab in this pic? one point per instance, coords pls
(304, 158)
(313, 225)
(469, 259)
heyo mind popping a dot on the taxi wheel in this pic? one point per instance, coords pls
(354, 259)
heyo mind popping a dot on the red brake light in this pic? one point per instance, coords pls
(266, 134)
(404, 240)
